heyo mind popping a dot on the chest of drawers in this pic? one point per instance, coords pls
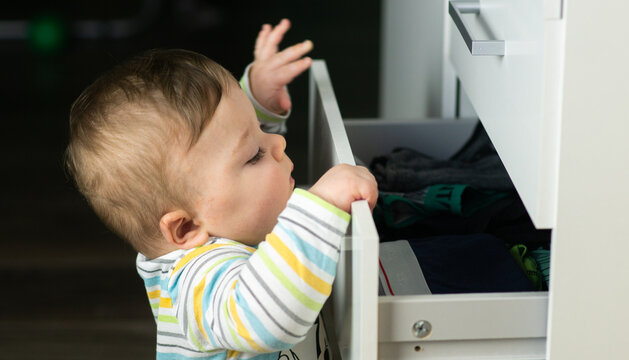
(552, 106)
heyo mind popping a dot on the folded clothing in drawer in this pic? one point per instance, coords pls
(465, 228)
(449, 264)
(476, 164)
(468, 193)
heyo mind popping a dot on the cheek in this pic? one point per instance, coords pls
(213, 211)
(280, 185)
(272, 199)
(269, 178)
(217, 205)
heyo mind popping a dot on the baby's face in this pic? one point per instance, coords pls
(240, 175)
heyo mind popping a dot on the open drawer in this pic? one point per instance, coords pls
(507, 55)
(366, 326)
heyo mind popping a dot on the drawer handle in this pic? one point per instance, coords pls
(476, 47)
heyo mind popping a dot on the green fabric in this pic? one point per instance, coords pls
(542, 257)
(528, 265)
(459, 199)
(403, 209)
(397, 216)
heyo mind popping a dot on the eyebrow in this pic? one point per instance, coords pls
(241, 140)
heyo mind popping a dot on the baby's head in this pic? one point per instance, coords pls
(167, 150)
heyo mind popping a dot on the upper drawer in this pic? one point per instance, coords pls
(516, 95)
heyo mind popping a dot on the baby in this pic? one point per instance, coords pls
(171, 154)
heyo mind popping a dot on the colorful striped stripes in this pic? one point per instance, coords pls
(227, 300)
(294, 263)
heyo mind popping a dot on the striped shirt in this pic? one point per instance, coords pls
(226, 300)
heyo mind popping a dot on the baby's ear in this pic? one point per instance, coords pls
(179, 229)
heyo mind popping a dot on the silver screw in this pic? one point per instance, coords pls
(422, 329)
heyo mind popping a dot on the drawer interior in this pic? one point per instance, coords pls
(486, 317)
(439, 138)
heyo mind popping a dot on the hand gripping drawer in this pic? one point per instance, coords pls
(366, 326)
(516, 91)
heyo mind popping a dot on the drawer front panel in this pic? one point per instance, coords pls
(511, 96)
(355, 289)
(464, 316)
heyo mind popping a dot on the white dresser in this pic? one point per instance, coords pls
(554, 103)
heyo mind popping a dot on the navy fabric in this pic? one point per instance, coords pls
(475, 263)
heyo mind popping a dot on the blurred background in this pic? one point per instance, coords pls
(70, 290)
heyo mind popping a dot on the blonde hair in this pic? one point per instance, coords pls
(123, 129)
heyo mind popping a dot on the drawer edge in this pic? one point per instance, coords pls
(464, 316)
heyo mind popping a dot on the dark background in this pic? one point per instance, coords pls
(69, 286)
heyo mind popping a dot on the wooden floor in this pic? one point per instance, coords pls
(87, 308)
(77, 339)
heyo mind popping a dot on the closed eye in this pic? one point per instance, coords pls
(256, 157)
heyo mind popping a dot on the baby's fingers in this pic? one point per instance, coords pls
(277, 34)
(368, 187)
(292, 53)
(288, 72)
(272, 41)
(261, 40)
(371, 194)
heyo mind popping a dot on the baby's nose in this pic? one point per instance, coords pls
(279, 145)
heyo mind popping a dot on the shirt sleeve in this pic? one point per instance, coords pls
(260, 300)
(269, 121)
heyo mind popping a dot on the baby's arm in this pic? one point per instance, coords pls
(266, 300)
(271, 70)
(265, 79)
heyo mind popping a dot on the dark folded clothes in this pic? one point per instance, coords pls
(505, 218)
(477, 164)
(399, 210)
(407, 170)
(473, 263)
(462, 214)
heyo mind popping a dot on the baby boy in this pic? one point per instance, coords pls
(182, 162)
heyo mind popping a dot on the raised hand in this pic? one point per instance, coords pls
(271, 70)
